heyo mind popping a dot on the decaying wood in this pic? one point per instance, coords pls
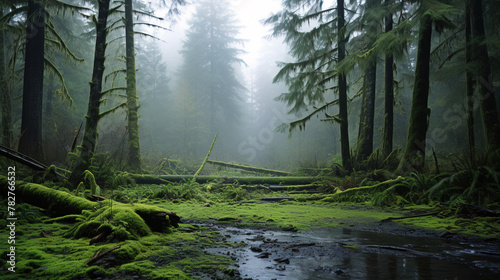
(101, 236)
(470, 211)
(277, 198)
(282, 180)
(140, 219)
(99, 255)
(98, 198)
(412, 216)
(206, 158)
(46, 234)
(25, 160)
(249, 168)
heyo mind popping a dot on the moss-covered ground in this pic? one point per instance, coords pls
(43, 253)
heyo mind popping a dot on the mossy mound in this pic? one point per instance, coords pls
(105, 220)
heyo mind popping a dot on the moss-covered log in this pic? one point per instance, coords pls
(114, 219)
(249, 168)
(364, 191)
(149, 179)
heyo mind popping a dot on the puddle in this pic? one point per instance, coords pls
(352, 254)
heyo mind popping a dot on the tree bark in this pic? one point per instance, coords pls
(7, 130)
(30, 142)
(364, 144)
(134, 146)
(484, 80)
(387, 134)
(414, 154)
(92, 117)
(344, 124)
(469, 98)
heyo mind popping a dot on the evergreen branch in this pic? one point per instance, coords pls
(152, 25)
(15, 11)
(332, 118)
(302, 122)
(60, 5)
(450, 57)
(114, 74)
(61, 43)
(112, 110)
(148, 14)
(116, 9)
(63, 91)
(112, 90)
(109, 42)
(146, 35)
(112, 26)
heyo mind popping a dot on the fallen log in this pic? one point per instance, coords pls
(127, 221)
(163, 179)
(347, 195)
(206, 158)
(249, 168)
(275, 199)
(26, 160)
(99, 255)
(411, 216)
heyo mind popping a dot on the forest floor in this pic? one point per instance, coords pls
(218, 229)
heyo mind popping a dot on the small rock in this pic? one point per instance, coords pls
(339, 272)
(255, 249)
(282, 260)
(290, 228)
(264, 255)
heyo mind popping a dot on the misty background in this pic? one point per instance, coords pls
(184, 104)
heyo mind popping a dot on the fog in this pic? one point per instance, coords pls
(173, 132)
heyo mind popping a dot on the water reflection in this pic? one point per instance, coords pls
(351, 254)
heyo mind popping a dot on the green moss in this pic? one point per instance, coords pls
(303, 216)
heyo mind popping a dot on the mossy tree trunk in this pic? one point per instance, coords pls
(7, 130)
(30, 142)
(86, 150)
(134, 147)
(388, 131)
(484, 80)
(364, 145)
(469, 98)
(344, 123)
(414, 153)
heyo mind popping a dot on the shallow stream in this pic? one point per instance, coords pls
(353, 254)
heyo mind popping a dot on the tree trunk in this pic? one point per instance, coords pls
(364, 145)
(92, 117)
(484, 80)
(414, 154)
(344, 124)
(30, 142)
(134, 147)
(7, 130)
(469, 99)
(387, 135)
